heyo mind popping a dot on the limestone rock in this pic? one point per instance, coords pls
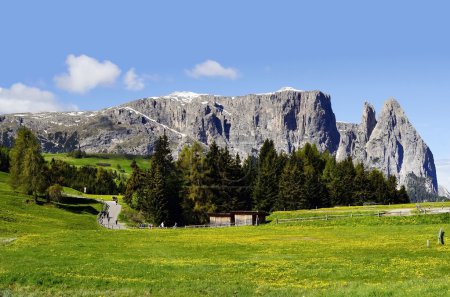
(290, 117)
(444, 192)
(390, 144)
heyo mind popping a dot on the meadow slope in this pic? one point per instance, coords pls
(48, 250)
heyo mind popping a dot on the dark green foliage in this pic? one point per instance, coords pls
(291, 193)
(4, 159)
(217, 181)
(160, 192)
(378, 186)
(96, 180)
(77, 154)
(133, 184)
(196, 191)
(54, 193)
(361, 189)
(155, 202)
(341, 185)
(265, 188)
(27, 168)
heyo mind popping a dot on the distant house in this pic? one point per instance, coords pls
(237, 218)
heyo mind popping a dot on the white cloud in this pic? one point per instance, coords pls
(211, 68)
(86, 73)
(22, 98)
(443, 172)
(133, 81)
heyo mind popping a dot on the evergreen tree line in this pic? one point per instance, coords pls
(32, 175)
(4, 159)
(96, 180)
(214, 180)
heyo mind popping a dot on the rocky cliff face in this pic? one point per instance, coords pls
(289, 117)
(443, 192)
(390, 144)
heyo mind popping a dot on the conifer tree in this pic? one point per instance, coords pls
(265, 190)
(361, 189)
(27, 164)
(155, 203)
(195, 191)
(4, 159)
(160, 195)
(291, 194)
(403, 195)
(134, 183)
(391, 190)
(314, 189)
(378, 187)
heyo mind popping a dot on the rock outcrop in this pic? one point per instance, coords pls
(444, 192)
(291, 118)
(390, 144)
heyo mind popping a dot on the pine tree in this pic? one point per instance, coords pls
(378, 186)
(403, 197)
(248, 180)
(213, 175)
(160, 195)
(342, 183)
(27, 170)
(134, 183)
(195, 191)
(265, 190)
(315, 192)
(156, 204)
(291, 194)
(391, 191)
(4, 159)
(361, 187)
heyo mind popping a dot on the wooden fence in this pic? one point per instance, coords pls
(355, 215)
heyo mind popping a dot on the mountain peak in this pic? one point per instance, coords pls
(288, 89)
(368, 120)
(182, 96)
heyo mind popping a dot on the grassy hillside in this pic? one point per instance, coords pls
(107, 161)
(60, 251)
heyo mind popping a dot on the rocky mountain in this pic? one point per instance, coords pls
(444, 192)
(390, 144)
(289, 117)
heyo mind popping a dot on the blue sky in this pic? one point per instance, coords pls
(89, 55)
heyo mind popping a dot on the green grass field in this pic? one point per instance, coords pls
(115, 161)
(48, 250)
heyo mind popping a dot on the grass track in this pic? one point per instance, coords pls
(51, 251)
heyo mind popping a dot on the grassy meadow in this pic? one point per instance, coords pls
(116, 162)
(59, 250)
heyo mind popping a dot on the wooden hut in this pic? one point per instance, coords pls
(237, 218)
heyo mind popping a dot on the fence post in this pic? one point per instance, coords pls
(379, 214)
(276, 221)
(351, 215)
(326, 217)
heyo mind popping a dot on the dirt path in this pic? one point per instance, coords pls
(111, 219)
(411, 211)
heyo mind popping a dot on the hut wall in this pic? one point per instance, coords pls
(243, 219)
(217, 221)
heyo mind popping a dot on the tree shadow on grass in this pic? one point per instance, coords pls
(78, 205)
(77, 200)
(78, 209)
